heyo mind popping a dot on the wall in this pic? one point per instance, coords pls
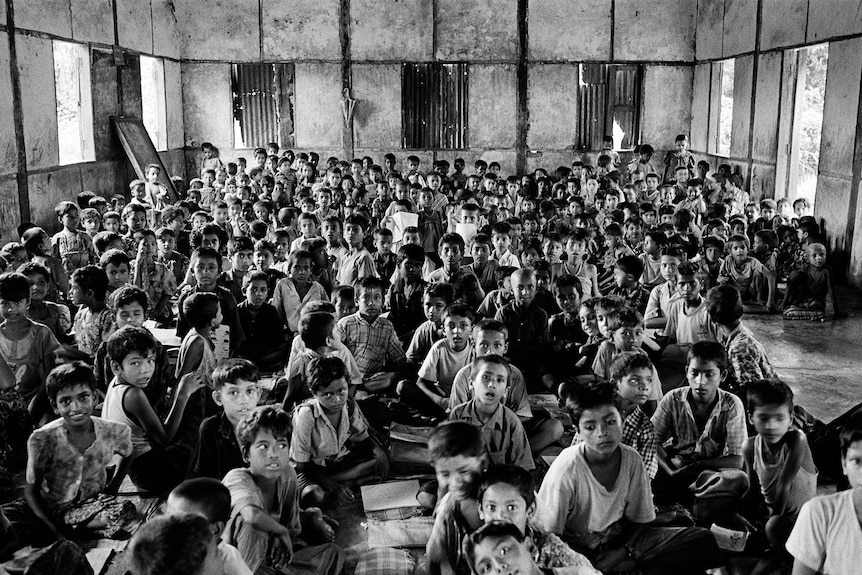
(510, 113)
(761, 35)
(143, 27)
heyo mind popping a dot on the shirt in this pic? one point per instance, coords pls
(315, 439)
(231, 560)
(826, 536)
(356, 266)
(528, 327)
(373, 345)
(639, 434)
(636, 296)
(406, 312)
(507, 259)
(442, 363)
(422, 340)
(289, 305)
(263, 332)
(69, 476)
(689, 326)
(504, 435)
(516, 394)
(659, 298)
(724, 432)
(297, 365)
(218, 450)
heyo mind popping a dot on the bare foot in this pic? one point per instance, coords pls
(318, 526)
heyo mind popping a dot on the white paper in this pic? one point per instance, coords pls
(728, 539)
(400, 221)
(468, 232)
(390, 495)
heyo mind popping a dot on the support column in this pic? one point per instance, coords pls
(347, 140)
(18, 118)
(523, 116)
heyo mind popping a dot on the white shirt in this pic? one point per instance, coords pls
(827, 536)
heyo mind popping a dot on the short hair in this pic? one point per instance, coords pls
(442, 291)
(454, 438)
(503, 272)
(342, 292)
(200, 309)
(631, 265)
(582, 398)
(460, 309)
(63, 208)
(625, 317)
(254, 275)
(568, 280)
(851, 432)
(114, 257)
(232, 370)
(242, 244)
(92, 278)
(265, 418)
(708, 351)
(370, 283)
(126, 295)
(199, 253)
(491, 360)
(171, 545)
(613, 230)
(501, 228)
(517, 477)
(383, 232)
(738, 239)
(32, 268)
(208, 495)
(132, 208)
(626, 362)
(493, 529)
(451, 238)
(688, 269)
(323, 371)
(411, 252)
(724, 305)
(315, 328)
(489, 324)
(673, 251)
(357, 220)
(129, 339)
(768, 392)
(713, 242)
(89, 213)
(69, 375)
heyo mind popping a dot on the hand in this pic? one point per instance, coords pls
(443, 403)
(343, 495)
(189, 383)
(281, 550)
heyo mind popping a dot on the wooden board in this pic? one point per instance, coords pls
(140, 150)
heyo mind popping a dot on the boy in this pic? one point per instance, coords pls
(679, 157)
(744, 273)
(265, 515)
(437, 297)
(501, 237)
(358, 264)
(500, 547)
(462, 280)
(72, 246)
(688, 320)
(168, 256)
(69, 488)
(779, 463)
(175, 545)
(626, 276)
(242, 256)
(430, 393)
(404, 297)
(430, 223)
(264, 256)
(527, 324)
(370, 338)
(482, 266)
(653, 243)
(809, 287)
(55, 316)
(498, 298)
(384, 260)
(661, 295)
(237, 392)
(596, 496)
(265, 339)
(504, 436)
(565, 331)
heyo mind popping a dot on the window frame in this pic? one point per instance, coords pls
(85, 148)
(413, 105)
(716, 119)
(609, 71)
(282, 91)
(157, 65)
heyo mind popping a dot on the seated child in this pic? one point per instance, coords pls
(500, 547)
(55, 316)
(264, 256)
(404, 298)
(344, 301)
(265, 514)
(811, 285)
(163, 452)
(507, 495)
(483, 267)
(710, 264)
(430, 393)
(175, 545)
(826, 537)
(70, 488)
(241, 251)
(72, 246)
(266, 340)
(297, 289)
(437, 297)
(154, 278)
(466, 285)
(504, 436)
(197, 350)
(527, 324)
(576, 264)
(655, 316)
(358, 264)
(741, 271)
(174, 261)
(209, 498)
(235, 389)
(384, 259)
(330, 445)
(38, 245)
(498, 298)
(94, 321)
(597, 498)
(779, 463)
(653, 243)
(688, 319)
(626, 283)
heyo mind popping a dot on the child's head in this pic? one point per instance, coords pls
(135, 216)
(501, 236)
(71, 389)
(329, 381)
(567, 293)
(738, 246)
(383, 240)
(255, 286)
(175, 545)
(627, 328)
(202, 496)
(595, 415)
(89, 285)
(713, 248)
(604, 306)
(39, 278)
(344, 299)
(67, 214)
(524, 286)
(816, 253)
(688, 282)
(632, 376)
(264, 254)
(770, 408)
(490, 380)
(724, 305)
(235, 388)
(369, 297)
(299, 267)
(628, 271)
(117, 267)
(671, 257)
(206, 267)
(458, 321)
(410, 261)
(457, 451)
(355, 226)
(451, 250)
(14, 254)
(500, 547)
(587, 317)
(317, 330)
(706, 368)
(264, 440)
(14, 297)
(131, 351)
(851, 451)
(507, 494)
(437, 297)
(129, 304)
(202, 311)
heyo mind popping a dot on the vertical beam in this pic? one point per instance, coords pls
(523, 116)
(347, 140)
(855, 182)
(18, 118)
(755, 65)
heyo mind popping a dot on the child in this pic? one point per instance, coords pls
(154, 278)
(209, 498)
(265, 338)
(653, 243)
(710, 265)
(507, 495)
(175, 545)
(307, 230)
(70, 487)
(661, 295)
(384, 259)
(38, 245)
(808, 288)
(404, 297)
(73, 247)
(344, 301)
(527, 324)
(437, 297)
(430, 393)
(330, 445)
(197, 351)
(457, 451)
(236, 390)
(462, 280)
(241, 251)
(135, 216)
(826, 537)
(626, 277)
(615, 248)
(94, 321)
(565, 329)
(688, 320)
(501, 237)
(679, 157)
(163, 452)
(500, 547)
(331, 231)
(596, 496)
(175, 262)
(118, 268)
(358, 264)
(778, 460)
(498, 298)
(265, 514)
(370, 338)
(576, 264)
(293, 292)
(51, 314)
(741, 271)
(264, 256)
(504, 436)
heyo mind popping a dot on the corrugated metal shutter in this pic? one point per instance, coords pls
(607, 93)
(434, 105)
(262, 103)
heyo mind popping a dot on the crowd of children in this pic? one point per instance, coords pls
(433, 298)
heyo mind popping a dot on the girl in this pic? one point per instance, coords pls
(531, 254)
(297, 289)
(15, 255)
(94, 322)
(197, 351)
(553, 248)
(154, 278)
(53, 315)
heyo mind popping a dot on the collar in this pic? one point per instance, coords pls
(225, 429)
(496, 421)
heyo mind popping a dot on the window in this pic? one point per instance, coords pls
(153, 97)
(608, 104)
(263, 104)
(74, 103)
(724, 88)
(434, 105)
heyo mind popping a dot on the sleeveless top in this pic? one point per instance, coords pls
(113, 410)
(208, 361)
(804, 486)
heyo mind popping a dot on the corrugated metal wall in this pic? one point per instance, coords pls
(434, 105)
(606, 93)
(262, 103)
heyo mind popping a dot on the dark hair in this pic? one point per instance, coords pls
(454, 438)
(315, 328)
(489, 324)
(342, 292)
(232, 370)
(129, 294)
(568, 280)
(631, 265)
(738, 238)
(724, 305)
(268, 418)
(451, 238)
(492, 529)
(688, 269)
(242, 244)
(254, 275)
(768, 392)
(207, 253)
(625, 363)
(207, 494)
(582, 398)
(491, 360)
(322, 371)
(708, 351)
(91, 278)
(69, 375)
(200, 309)
(370, 283)
(34, 268)
(114, 257)
(517, 477)
(411, 252)
(460, 309)
(851, 432)
(171, 545)
(357, 220)
(128, 340)
(443, 291)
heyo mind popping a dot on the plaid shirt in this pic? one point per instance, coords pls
(636, 296)
(639, 434)
(723, 434)
(373, 345)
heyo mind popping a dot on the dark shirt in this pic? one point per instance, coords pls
(228, 311)
(636, 297)
(272, 277)
(405, 313)
(528, 331)
(264, 333)
(219, 450)
(385, 264)
(233, 283)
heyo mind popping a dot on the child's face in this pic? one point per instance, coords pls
(503, 502)
(433, 307)
(669, 265)
(118, 275)
(712, 254)
(307, 228)
(130, 314)
(490, 384)
(553, 251)
(282, 247)
(206, 272)
(739, 251)
(704, 377)
(333, 397)
(38, 286)
(531, 226)
(622, 279)
(450, 253)
(426, 198)
(681, 146)
(344, 307)
(481, 253)
(237, 398)
(688, 288)
(601, 429)
(242, 260)
(588, 321)
(751, 213)
(611, 202)
(383, 244)
(167, 244)
(370, 302)
(459, 475)
(198, 221)
(353, 235)
(136, 221)
(221, 215)
(816, 257)
(767, 213)
(488, 342)
(75, 405)
(300, 271)
(575, 249)
(628, 338)
(771, 421)
(210, 241)
(612, 241)
(111, 225)
(268, 456)
(136, 368)
(543, 280)
(256, 293)
(263, 259)
(469, 217)
(528, 258)
(261, 213)
(411, 270)
(738, 229)
(635, 386)
(602, 321)
(14, 311)
(457, 330)
(524, 288)
(150, 245)
(851, 464)
(91, 225)
(501, 242)
(568, 299)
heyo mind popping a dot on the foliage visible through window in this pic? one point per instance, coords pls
(609, 98)
(153, 98)
(813, 62)
(725, 111)
(434, 105)
(263, 104)
(74, 103)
